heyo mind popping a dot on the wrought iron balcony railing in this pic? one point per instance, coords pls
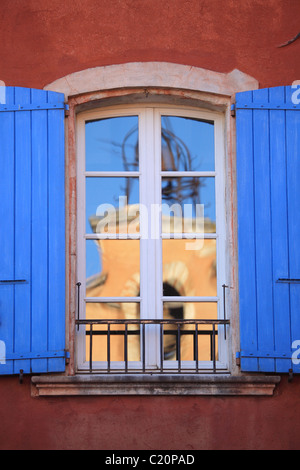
(179, 329)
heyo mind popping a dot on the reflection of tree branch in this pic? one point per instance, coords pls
(124, 143)
(291, 41)
(178, 190)
(177, 157)
(180, 146)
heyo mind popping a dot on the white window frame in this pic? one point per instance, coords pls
(150, 190)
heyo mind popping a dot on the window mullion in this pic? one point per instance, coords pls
(150, 234)
(158, 219)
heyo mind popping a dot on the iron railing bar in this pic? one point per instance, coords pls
(166, 332)
(161, 347)
(153, 322)
(214, 348)
(91, 348)
(177, 341)
(179, 349)
(78, 303)
(126, 348)
(143, 347)
(116, 332)
(196, 346)
(224, 307)
(108, 347)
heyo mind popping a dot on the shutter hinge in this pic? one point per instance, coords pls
(67, 357)
(67, 110)
(238, 359)
(233, 114)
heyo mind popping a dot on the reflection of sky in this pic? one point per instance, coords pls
(108, 191)
(204, 194)
(193, 140)
(105, 144)
(112, 145)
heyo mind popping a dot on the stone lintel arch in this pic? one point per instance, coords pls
(153, 74)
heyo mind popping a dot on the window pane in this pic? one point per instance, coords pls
(113, 268)
(112, 205)
(190, 311)
(113, 311)
(188, 205)
(187, 144)
(112, 144)
(189, 266)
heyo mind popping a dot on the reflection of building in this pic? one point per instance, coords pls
(189, 269)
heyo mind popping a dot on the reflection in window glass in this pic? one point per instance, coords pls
(190, 311)
(93, 262)
(112, 144)
(113, 311)
(187, 144)
(119, 268)
(112, 205)
(190, 267)
(188, 205)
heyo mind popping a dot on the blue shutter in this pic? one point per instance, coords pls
(32, 232)
(268, 190)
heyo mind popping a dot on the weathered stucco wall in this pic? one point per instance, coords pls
(150, 423)
(44, 40)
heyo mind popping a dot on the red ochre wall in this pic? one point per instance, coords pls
(41, 41)
(148, 423)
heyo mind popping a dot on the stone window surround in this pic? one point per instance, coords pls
(155, 82)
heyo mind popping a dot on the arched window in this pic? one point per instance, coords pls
(151, 237)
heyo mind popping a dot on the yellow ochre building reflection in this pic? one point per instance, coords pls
(189, 270)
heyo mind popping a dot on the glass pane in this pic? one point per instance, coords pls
(112, 144)
(188, 205)
(112, 205)
(189, 267)
(113, 268)
(187, 144)
(119, 312)
(190, 311)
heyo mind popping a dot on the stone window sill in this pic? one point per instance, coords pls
(205, 385)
